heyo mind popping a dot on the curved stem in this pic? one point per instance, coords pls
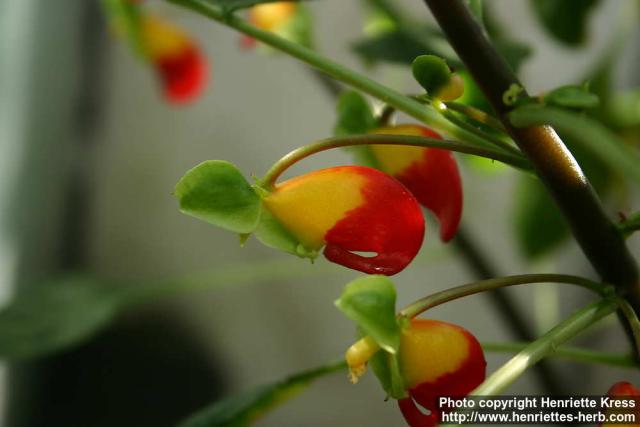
(574, 354)
(451, 294)
(424, 113)
(298, 154)
(632, 319)
(544, 346)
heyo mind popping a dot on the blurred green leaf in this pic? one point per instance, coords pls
(370, 301)
(56, 315)
(400, 46)
(585, 131)
(566, 20)
(355, 116)
(540, 227)
(244, 409)
(299, 28)
(572, 97)
(215, 191)
(431, 72)
(514, 52)
(624, 109)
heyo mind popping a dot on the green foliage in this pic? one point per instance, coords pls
(273, 234)
(56, 315)
(577, 97)
(386, 368)
(355, 115)
(539, 225)
(399, 46)
(215, 191)
(370, 301)
(432, 72)
(245, 408)
(565, 20)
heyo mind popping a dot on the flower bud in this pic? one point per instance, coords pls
(431, 174)
(623, 389)
(351, 209)
(437, 359)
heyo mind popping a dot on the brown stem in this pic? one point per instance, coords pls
(597, 236)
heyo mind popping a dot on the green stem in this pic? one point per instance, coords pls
(451, 294)
(298, 154)
(571, 353)
(423, 113)
(494, 140)
(555, 165)
(544, 346)
(632, 320)
(629, 225)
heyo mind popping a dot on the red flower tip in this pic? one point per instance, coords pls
(430, 174)
(623, 389)
(352, 209)
(437, 359)
(181, 65)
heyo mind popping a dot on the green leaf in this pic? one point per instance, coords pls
(590, 134)
(400, 46)
(355, 116)
(215, 191)
(370, 301)
(245, 408)
(432, 72)
(53, 316)
(566, 20)
(572, 97)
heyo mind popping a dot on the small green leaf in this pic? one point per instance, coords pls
(590, 134)
(53, 316)
(215, 191)
(572, 97)
(566, 20)
(432, 72)
(244, 409)
(371, 302)
(299, 28)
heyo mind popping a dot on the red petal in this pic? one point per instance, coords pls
(185, 76)
(389, 223)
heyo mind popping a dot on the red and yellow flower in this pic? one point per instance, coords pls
(437, 359)
(430, 174)
(351, 209)
(180, 64)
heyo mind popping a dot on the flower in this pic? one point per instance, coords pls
(623, 389)
(437, 359)
(180, 64)
(350, 209)
(430, 174)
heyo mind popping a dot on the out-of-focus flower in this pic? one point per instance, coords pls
(430, 174)
(624, 389)
(351, 209)
(270, 17)
(437, 359)
(181, 65)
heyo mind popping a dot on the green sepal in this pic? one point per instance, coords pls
(370, 301)
(273, 234)
(216, 192)
(386, 367)
(355, 116)
(432, 72)
(571, 96)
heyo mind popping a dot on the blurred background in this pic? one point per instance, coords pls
(90, 153)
